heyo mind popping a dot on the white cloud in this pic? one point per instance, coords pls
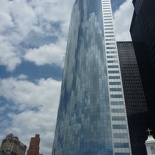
(31, 106)
(31, 123)
(8, 56)
(47, 54)
(20, 17)
(5, 18)
(54, 11)
(26, 94)
(23, 17)
(51, 12)
(17, 19)
(16, 23)
(38, 103)
(6, 21)
(122, 21)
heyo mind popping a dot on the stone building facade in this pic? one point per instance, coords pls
(12, 145)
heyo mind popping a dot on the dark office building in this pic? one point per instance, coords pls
(134, 97)
(143, 36)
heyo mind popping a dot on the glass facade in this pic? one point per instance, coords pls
(92, 115)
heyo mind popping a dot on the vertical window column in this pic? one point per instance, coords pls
(121, 142)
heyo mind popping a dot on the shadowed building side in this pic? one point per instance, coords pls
(143, 36)
(137, 112)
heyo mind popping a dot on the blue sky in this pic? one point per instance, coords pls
(33, 36)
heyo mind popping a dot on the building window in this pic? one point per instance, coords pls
(115, 89)
(116, 96)
(110, 39)
(112, 56)
(111, 52)
(114, 83)
(121, 145)
(114, 66)
(112, 61)
(107, 19)
(110, 47)
(108, 28)
(116, 102)
(118, 118)
(109, 35)
(120, 135)
(117, 110)
(121, 153)
(114, 77)
(119, 126)
(111, 43)
(113, 71)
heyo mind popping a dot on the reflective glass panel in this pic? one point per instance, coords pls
(119, 126)
(121, 145)
(118, 118)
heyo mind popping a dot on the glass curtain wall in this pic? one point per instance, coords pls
(91, 117)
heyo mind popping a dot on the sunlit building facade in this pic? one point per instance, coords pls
(92, 114)
(12, 145)
(34, 145)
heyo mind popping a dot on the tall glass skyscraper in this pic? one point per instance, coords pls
(92, 115)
